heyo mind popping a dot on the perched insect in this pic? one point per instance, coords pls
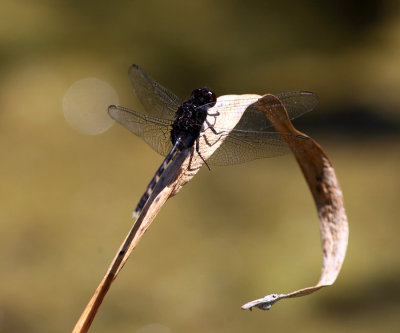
(170, 125)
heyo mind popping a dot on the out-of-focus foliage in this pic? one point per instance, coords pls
(232, 234)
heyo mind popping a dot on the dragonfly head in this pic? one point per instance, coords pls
(203, 96)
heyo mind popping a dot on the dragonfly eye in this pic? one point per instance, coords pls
(203, 96)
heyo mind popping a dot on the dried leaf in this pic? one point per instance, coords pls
(324, 186)
(316, 168)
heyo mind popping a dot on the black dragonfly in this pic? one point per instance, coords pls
(170, 125)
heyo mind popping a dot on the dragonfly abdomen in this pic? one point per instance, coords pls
(153, 182)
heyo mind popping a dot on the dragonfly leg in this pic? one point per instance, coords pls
(198, 152)
(216, 114)
(211, 127)
(209, 143)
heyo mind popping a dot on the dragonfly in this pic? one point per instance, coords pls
(170, 125)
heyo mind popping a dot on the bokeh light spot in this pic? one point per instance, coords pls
(85, 105)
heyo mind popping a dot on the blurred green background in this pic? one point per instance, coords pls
(232, 234)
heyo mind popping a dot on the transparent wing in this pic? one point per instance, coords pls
(157, 100)
(254, 136)
(154, 131)
(244, 146)
(160, 102)
(296, 103)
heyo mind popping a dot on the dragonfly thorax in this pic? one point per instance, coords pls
(203, 96)
(190, 117)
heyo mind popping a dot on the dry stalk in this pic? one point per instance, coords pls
(316, 168)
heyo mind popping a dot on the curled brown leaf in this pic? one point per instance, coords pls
(316, 168)
(324, 186)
